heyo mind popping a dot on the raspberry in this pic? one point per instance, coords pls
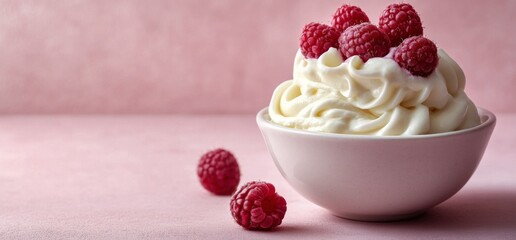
(418, 55)
(219, 172)
(364, 40)
(400, 21)
(257, 206)
(347, 16)
(317, 38)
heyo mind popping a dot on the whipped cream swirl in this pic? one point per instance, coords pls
(372, 98)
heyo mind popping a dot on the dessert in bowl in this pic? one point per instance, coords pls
(375, 124)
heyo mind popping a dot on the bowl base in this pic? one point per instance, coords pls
(379, 218)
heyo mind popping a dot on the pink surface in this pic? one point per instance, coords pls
(210, 56)
(133, 177)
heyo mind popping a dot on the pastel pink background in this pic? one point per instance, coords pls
(210, 56)
(133, 176)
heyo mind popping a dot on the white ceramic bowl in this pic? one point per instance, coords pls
(376, 178)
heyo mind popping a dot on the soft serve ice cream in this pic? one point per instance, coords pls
(377, 97)
(365, 85)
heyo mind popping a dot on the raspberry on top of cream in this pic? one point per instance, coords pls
(413, 88)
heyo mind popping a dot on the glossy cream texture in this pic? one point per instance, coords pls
(373, 98)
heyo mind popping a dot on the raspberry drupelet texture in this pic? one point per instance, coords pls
(317, 38)
(418, 55)
(347, 16)
(218, 172)
(364, 40)
(257, 206)
(400, 21)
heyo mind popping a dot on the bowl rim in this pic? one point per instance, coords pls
(490, 120)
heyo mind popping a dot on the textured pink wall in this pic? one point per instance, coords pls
(164, 56)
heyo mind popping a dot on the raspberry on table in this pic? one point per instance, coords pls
(257, 206)
(347, 16)
(400, 21)
(418, 55)
(364, 40)
(317, 38)
(219, 172)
